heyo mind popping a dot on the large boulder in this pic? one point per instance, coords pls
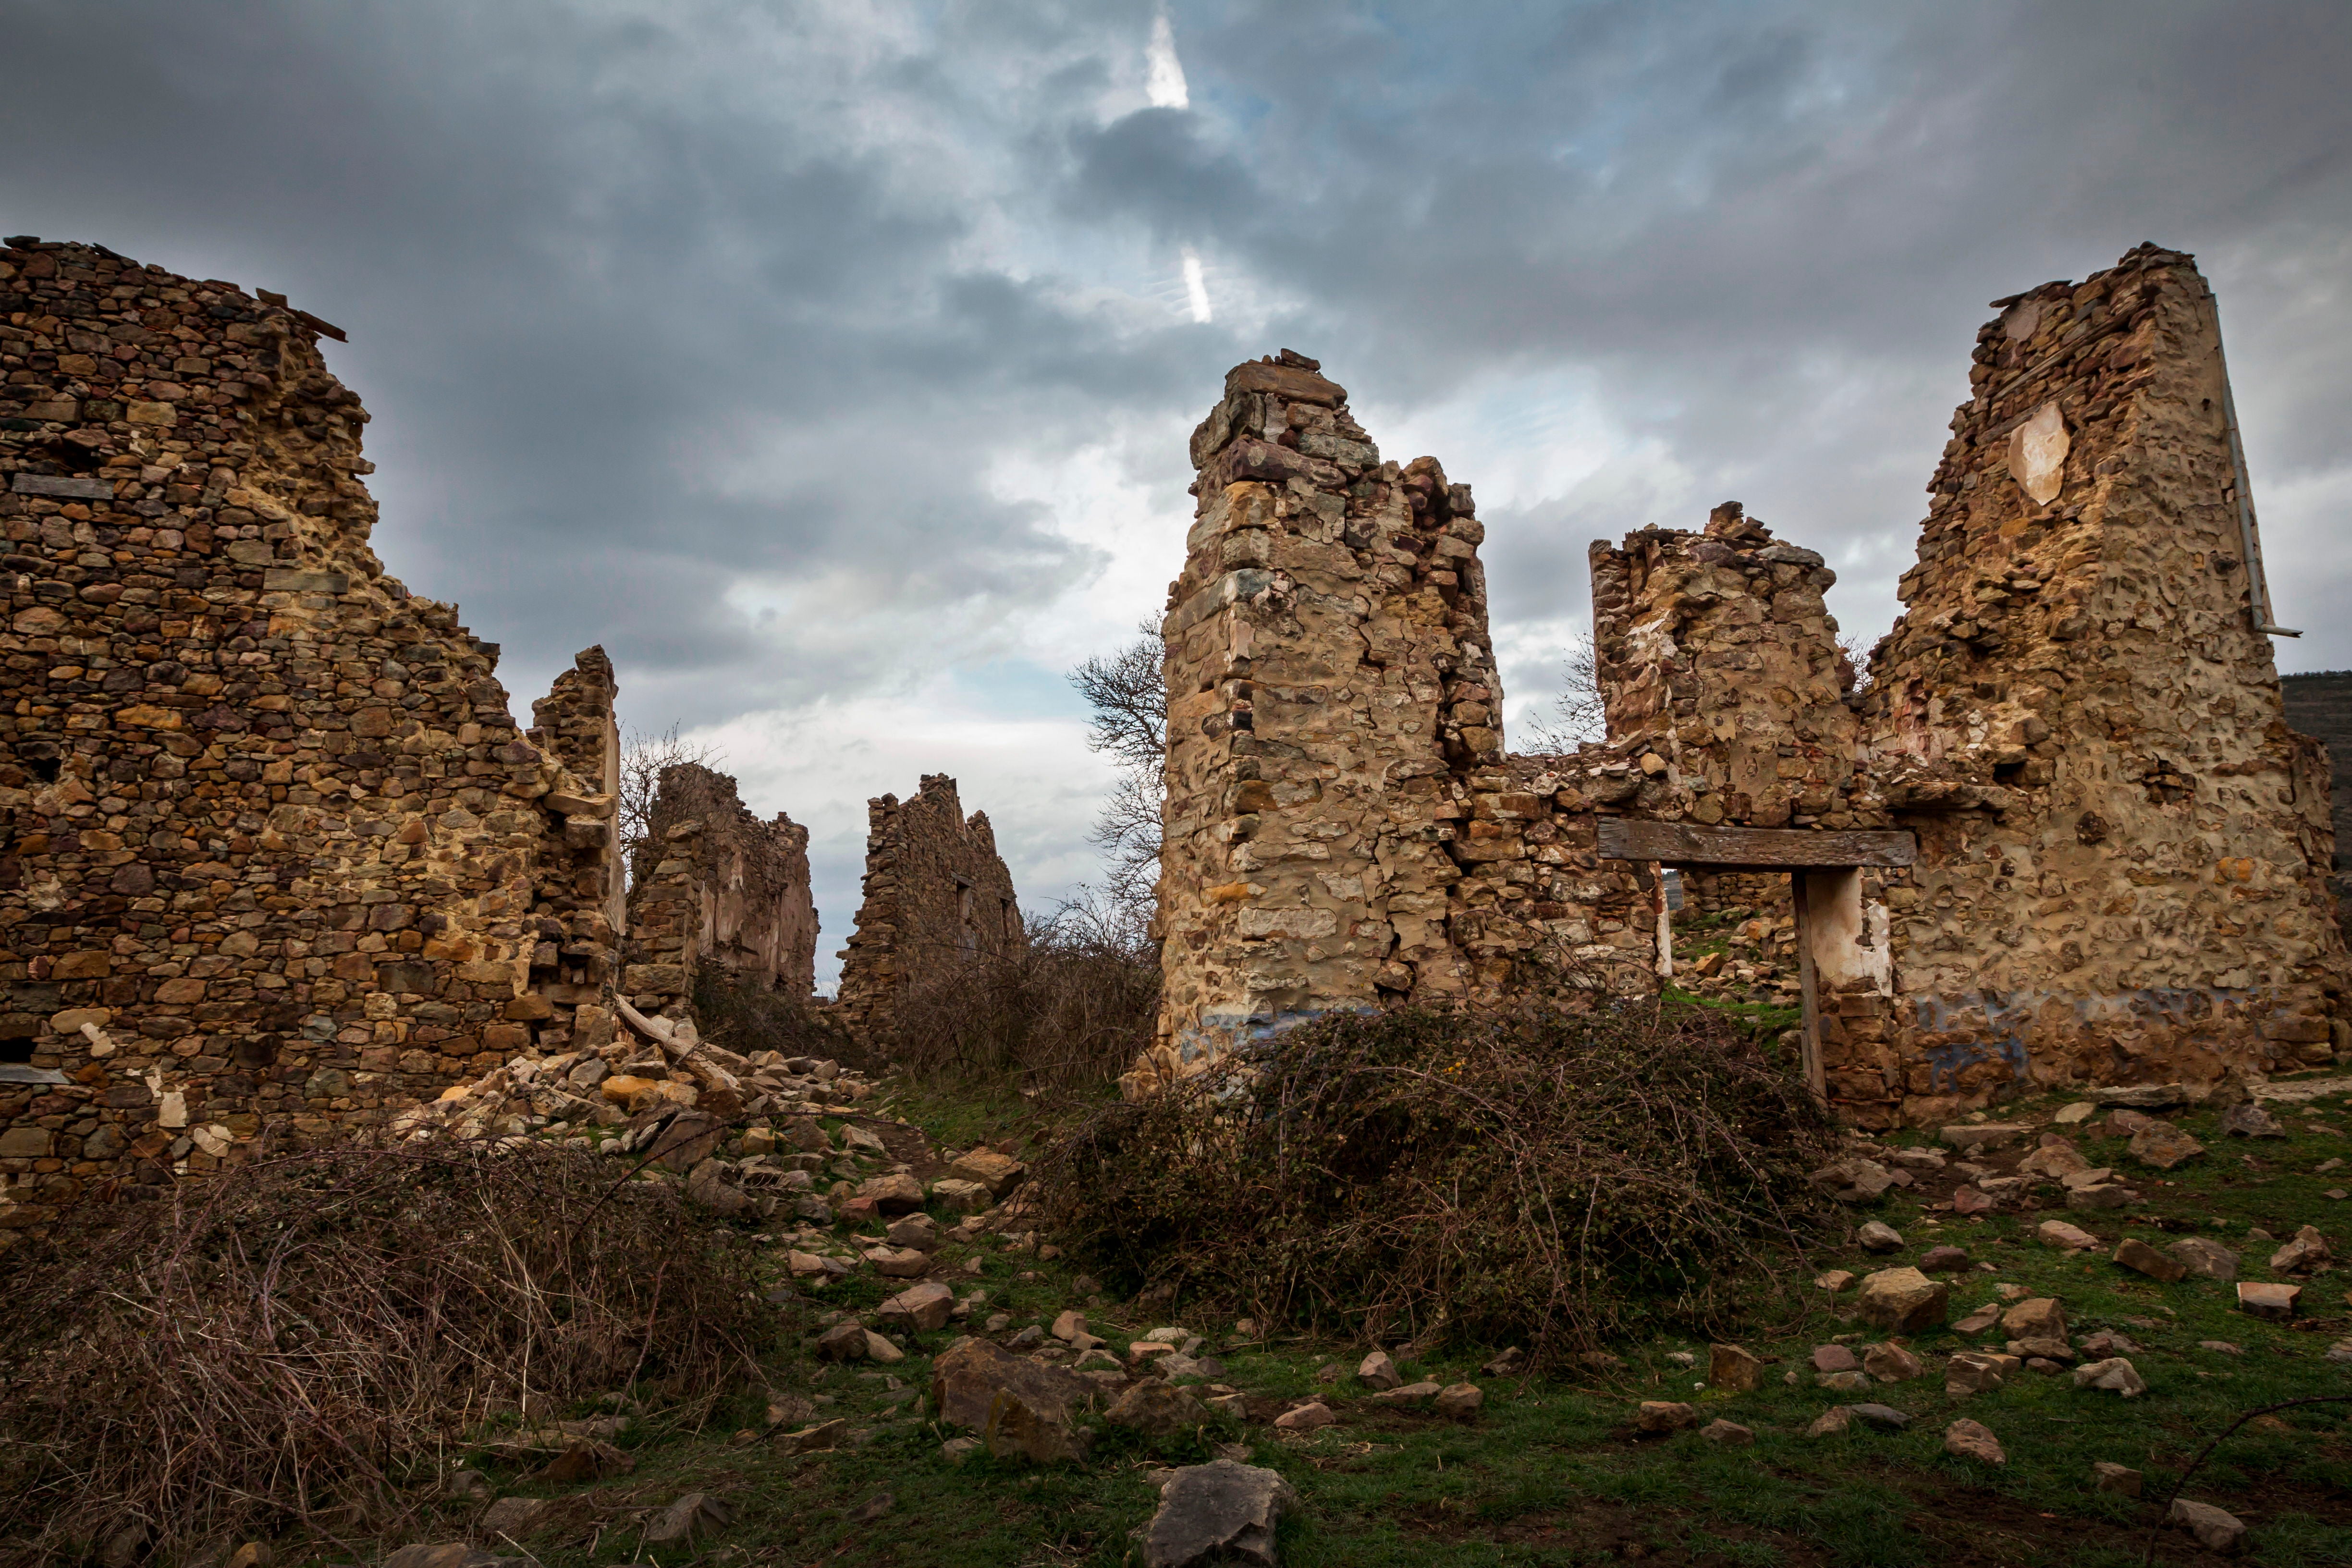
(1017, 1406)
(1903, 1301)
(1218, 1512)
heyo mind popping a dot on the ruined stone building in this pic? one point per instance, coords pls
(719, 887)
(936, 896)
(2320, 705)
(2066, 834)
(275, 846)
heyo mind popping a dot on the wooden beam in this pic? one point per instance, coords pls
(1753, 848)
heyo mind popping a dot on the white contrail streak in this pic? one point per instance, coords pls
(1196, 286)
(1163, 72)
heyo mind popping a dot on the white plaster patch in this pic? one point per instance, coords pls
(2037, 454)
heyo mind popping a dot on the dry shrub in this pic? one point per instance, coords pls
(293, 1341)
(1535, 1175)
(1065, 1011)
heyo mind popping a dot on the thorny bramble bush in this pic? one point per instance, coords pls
(293, 1340)
(1534, 1174)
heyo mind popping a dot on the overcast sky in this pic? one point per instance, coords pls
(832, 363)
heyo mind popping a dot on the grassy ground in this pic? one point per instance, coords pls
(1550, 1471)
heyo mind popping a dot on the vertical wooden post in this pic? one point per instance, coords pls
(1809, 984)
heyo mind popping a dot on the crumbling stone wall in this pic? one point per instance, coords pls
(2320, 705)
(1341, 828)
(274, 848)
(724, 889)
(1720, 672)
(2122, 848)
(935, 894)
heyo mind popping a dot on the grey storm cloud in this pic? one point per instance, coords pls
(710, 329)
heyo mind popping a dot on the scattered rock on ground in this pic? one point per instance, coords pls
(1972, 1440)
(511, 1516)
(1891, 1364)
(2140, 1257)
(897, 1193)
(1979, 1137)
(1157, 1410)
(1836, 1281)
(1220, 1511)
(696, 1513)
(1903, 1301)
(1727, 1434)
(1883, 1416)
(2164, 1146)
(1307, 1417)
(1017, 1406)
(1459, 1401)
(1664, 1416)
(999, 1173)
(1835, 1358)
(1943, 1261)
(2275, 1303)
(1877, 1236)
(1733, 1370)
(2215, 1529)
(2206, 1258)
(2036, 1318)
(2114, 1375)
(2248, 1120)
(1377, 1371)
(2058, 1233)
(2307, 1251)
(923, 1307)
(2072, 1115)
(1829, 1423)
(2120, 1480)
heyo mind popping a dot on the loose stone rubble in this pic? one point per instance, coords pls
(2121, 850)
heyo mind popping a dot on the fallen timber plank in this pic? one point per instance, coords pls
(1753, 848)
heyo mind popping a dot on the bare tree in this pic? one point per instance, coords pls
(642, 758)
(1855, 652)
(1577, 715)
(1129, 698)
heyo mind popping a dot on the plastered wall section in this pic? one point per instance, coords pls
(273, 845)
(936, 896)
(2122, 846)
(727, 890)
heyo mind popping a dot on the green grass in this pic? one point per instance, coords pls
(1549, 1472)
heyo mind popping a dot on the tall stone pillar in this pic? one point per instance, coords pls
(1328, 675)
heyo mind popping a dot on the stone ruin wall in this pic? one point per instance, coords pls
(722, 889)
(2123, 849)
(936, 896)
(1341, 828)
(2320, 705)
(2124, 846)
(275, 849)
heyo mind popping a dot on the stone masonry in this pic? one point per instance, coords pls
(2320, 705)
(1719, 668)
(1342, 827)
(2122, 849)
(275, 851)
(723, 889)
(936, 895)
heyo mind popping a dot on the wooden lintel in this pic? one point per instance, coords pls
(1753, 848)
